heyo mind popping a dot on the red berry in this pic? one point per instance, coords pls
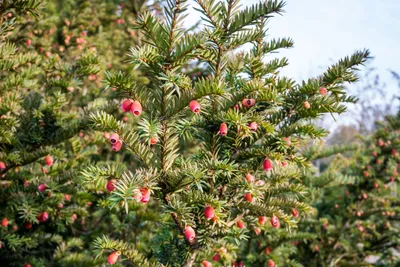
(209, 212)
(67, 197)
(260, 183)
(295, 212)
(253, 126)
(240, 224)
(4, 222)
(267, 164)
(42, 217)
(27, 265)
(257, 230)
(394, 152)
(306, 105)
(111, 185)
(194, 106)
(366, 173)
(153, 140)
(275, 221)
(2, 165)
(262, 219)
(284, 163)
(249, 178)
(117, 146)
(267, 250)
(145, 195)
(271, 263)
(28, 225)
(316, 248)
(375, 154)
(287, 140)
(248, 102)
(236, 107)
(365, 196)
(136, 108)
(248, 197)
(380, 142)
(323, 91)
(114, 138)
(42, 187)
(113, 257)
(216, 257)
(49, 160)
(73, 217)
(190, 233)
(106, 135)
(376, 185)
(223, 129)
(206, 263)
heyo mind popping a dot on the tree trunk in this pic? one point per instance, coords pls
(190, 260)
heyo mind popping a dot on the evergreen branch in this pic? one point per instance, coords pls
(341, 71)
(317, 152)
(250, 15)
(104, 243)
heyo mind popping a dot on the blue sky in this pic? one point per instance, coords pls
(326, 30)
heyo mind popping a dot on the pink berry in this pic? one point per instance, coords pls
(49, 160)
(248, 102)
(194, 106)
(253, 126)
(136, 108)
(267, 164)
(4, 222)
(114, 138)
(42, 187)
(44, 216)
(190, 233)
(145, 195)
(275, 221)
(295, 212)
(249, 178)
(117, 146)
(223, 129)
(271, 263)
(209, 212)
(113, 257)
(323, 91)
